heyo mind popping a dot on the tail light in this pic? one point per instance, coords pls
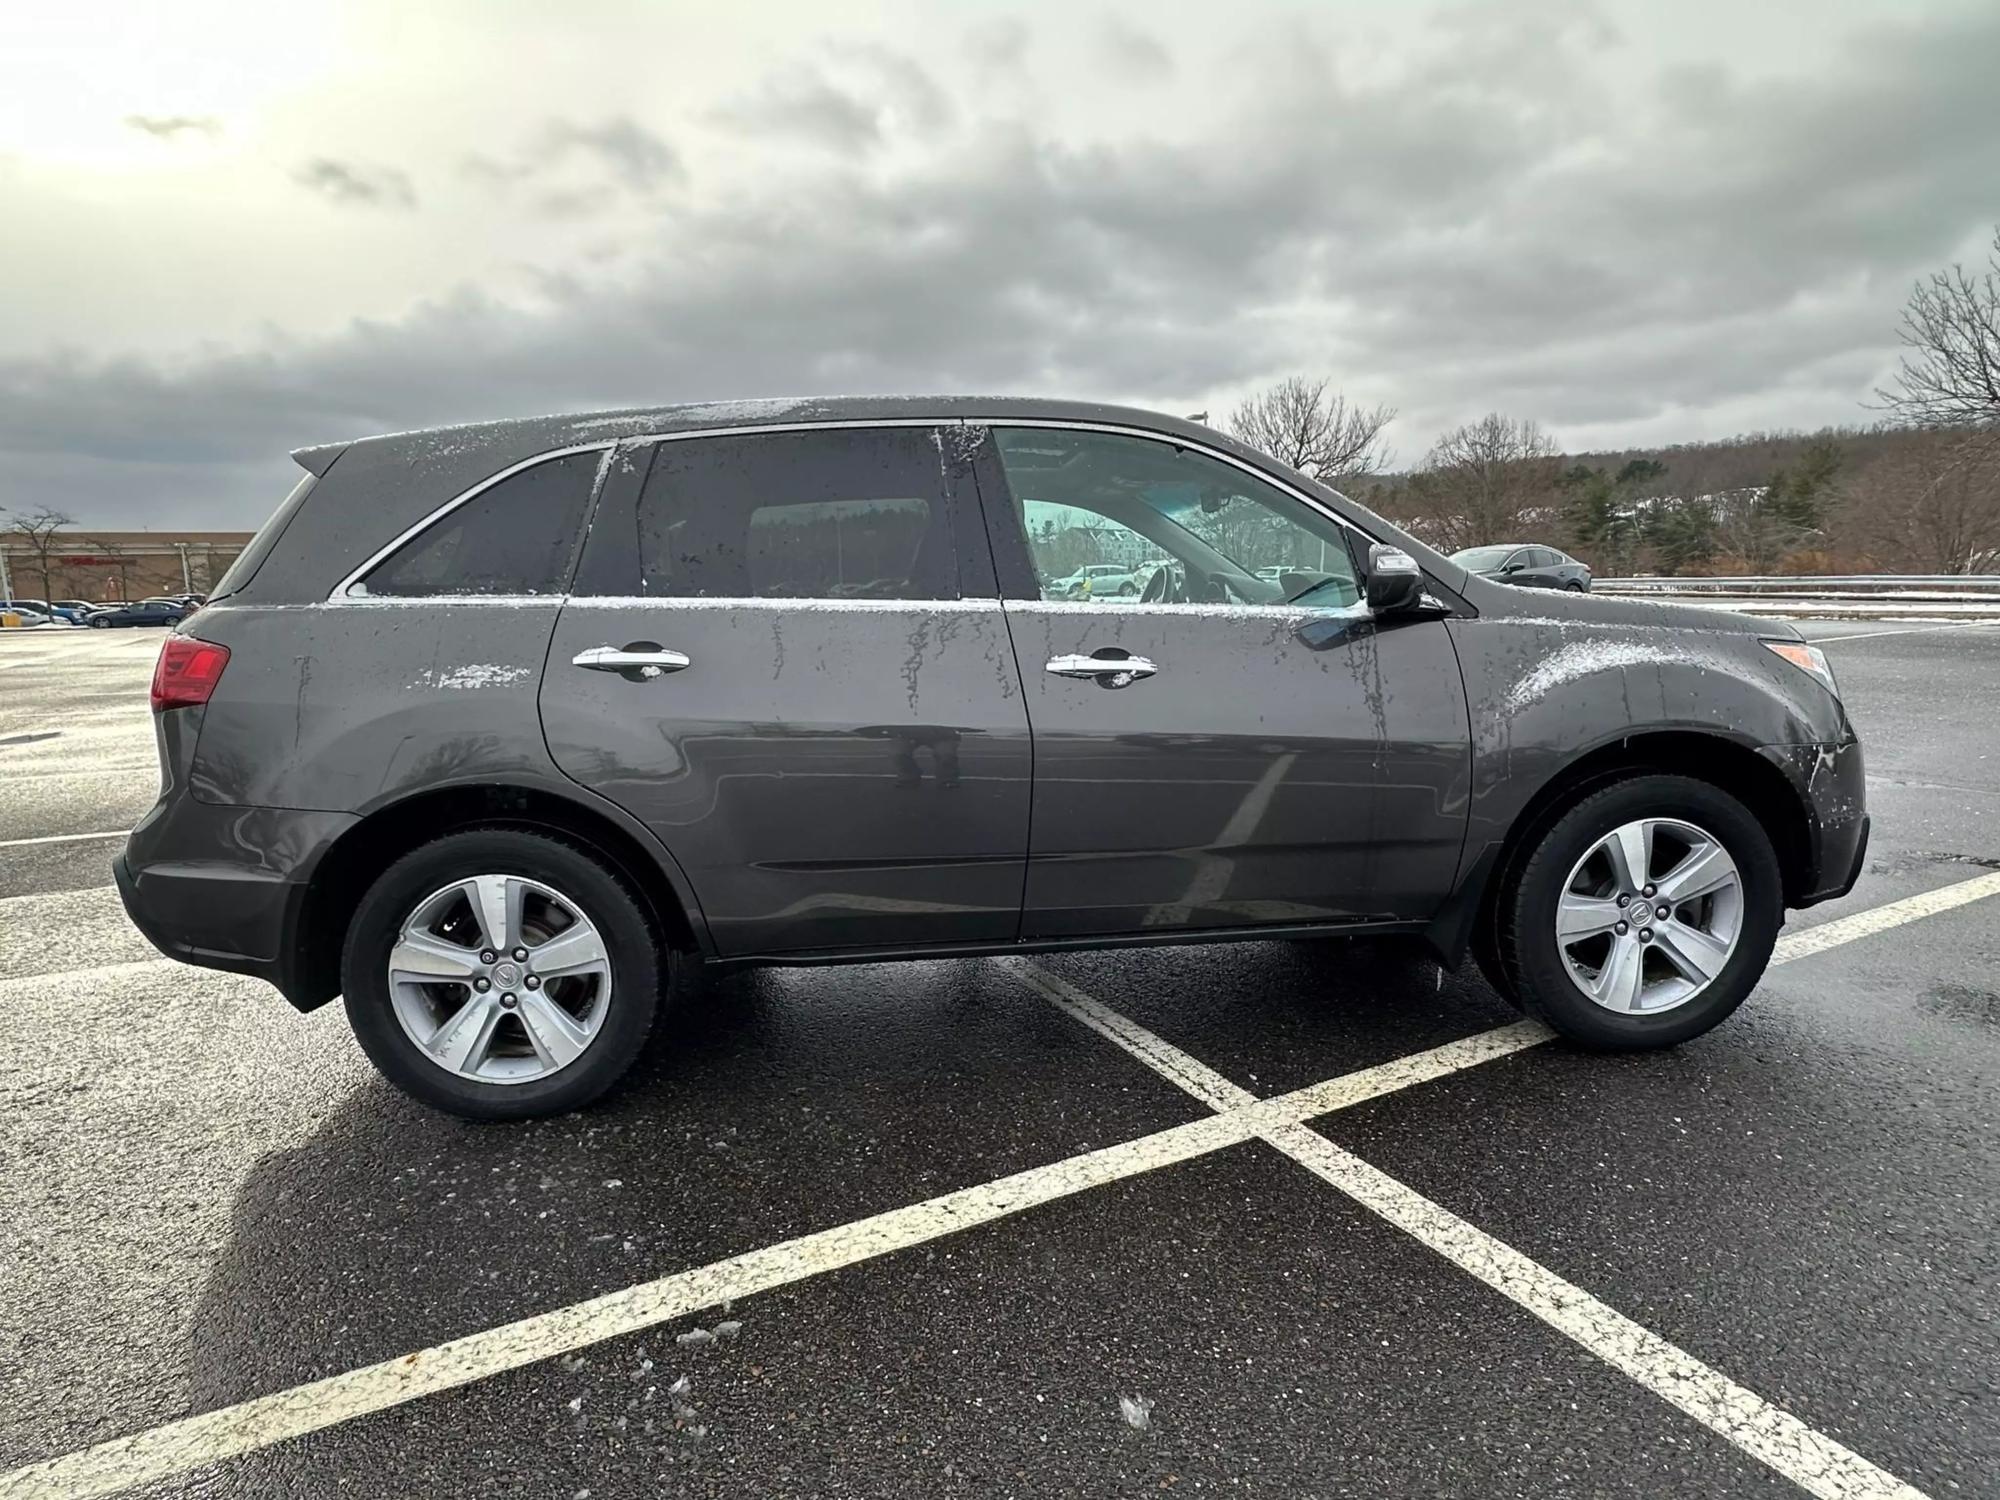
(187, 672)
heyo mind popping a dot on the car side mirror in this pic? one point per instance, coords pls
(1513, 567)
(1395, 582)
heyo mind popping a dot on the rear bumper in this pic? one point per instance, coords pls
(226, 888)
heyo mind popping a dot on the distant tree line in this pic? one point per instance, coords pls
(1917, 491)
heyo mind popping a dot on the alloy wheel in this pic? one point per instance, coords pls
(1650, 916)
(500, 979)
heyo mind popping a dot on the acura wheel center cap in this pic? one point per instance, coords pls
(507, 974)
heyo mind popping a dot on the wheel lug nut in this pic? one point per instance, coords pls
(1645, 934)
(1622, 928)
(487, 955)
(533, 981)
(482, 984)
(520, 955)
(1624, 900)
(1647, 893)
(507, 1001)
(1665, 912)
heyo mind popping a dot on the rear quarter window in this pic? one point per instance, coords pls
(518, 536)
(251, 558)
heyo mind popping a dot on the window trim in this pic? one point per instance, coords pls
(1013, 520)
(338, 593)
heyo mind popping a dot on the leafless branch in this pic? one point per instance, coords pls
(1314, 429)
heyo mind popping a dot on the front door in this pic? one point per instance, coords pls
(784, 654)
(1238, 744)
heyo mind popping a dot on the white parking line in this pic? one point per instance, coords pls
(179, 1447)
(232, 1431)
(1840, 930)
(63, 838)
(1876, 635)
(1769, 1434)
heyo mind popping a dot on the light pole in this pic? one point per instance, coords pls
(187, 585)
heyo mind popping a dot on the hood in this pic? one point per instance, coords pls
(1506, 601)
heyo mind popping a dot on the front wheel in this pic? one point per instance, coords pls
(501, 974)
(1644, 915)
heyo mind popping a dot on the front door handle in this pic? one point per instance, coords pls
(1106, 671)
(639, 660)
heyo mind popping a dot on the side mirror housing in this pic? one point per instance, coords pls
(1395, 582)
(1513, 567)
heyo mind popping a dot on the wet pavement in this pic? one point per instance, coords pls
(205, 1198)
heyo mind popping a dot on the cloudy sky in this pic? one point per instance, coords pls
(227, 230)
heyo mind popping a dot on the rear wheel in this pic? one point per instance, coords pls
(501, 974)
(1644, 914)
(100, 624)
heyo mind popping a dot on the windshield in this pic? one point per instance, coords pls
(1483, 557)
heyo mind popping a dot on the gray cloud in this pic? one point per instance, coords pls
(168, 127)
(870, 94)
(355, 183)
(1501, 224)
(634, 156)
(1133, 53)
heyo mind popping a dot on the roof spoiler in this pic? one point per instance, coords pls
(317, 461)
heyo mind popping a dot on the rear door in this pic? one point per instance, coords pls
(1210, 754)
(809, 694)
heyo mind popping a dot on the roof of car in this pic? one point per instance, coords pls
(529, 435)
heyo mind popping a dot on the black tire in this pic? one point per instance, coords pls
(1526, 948)
(1574, 588)
(100, 624)
(639, 965)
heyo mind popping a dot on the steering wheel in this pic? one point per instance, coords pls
(1157, 586)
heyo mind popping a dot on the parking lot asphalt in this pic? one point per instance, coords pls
(1759, 1264)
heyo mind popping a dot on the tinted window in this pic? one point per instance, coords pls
(1188, 527)
(515, 537)
(854, 514)
(251, 558)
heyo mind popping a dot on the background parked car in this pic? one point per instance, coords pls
(30, 616)
(41, 607)
(1527, 565)
(1104, 580)
(145, 612)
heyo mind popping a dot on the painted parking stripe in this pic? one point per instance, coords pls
(1774, 1437)
(178, 1447)
(1769, 1434)
(229, 1432)
(1825, 935)
(62, 838)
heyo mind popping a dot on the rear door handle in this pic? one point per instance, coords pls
(1106, 671)
(638, 660)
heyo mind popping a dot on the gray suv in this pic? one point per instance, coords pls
(495, 730)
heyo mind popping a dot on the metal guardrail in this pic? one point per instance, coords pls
(1934, 597)
(1952, 585)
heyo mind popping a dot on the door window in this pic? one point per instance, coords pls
(841, 514)
(512, 538)
(1110, 516)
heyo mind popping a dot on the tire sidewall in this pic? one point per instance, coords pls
(636, 971)
(1546, 986)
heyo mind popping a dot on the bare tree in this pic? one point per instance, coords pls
(39, 527)
(1932, 504)
(1316, 430)
(1488, 481)
(1950, 376)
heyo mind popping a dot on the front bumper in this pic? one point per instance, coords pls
(1832, 784)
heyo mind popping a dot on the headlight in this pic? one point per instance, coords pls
(1807, 659)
